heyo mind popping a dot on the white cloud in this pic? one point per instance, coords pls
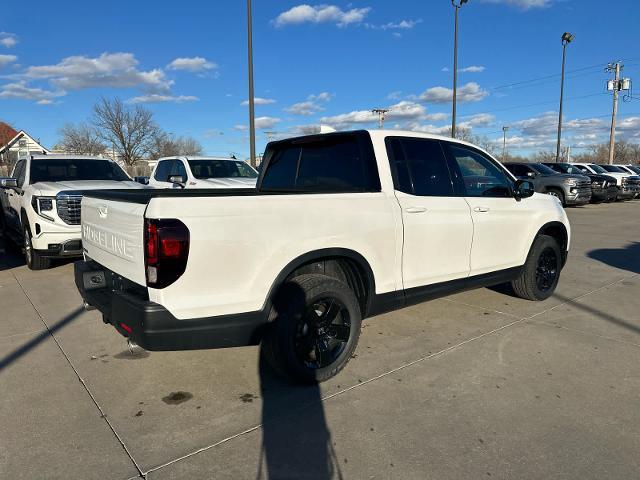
(8, 39)
(523, 4)
(321, 14)
(404, 110)
(311, 106)
(444, 69)
(473, 69)
(471, 92)
(158, 98)
(260, 101)
(478, 120)
(20, 90)
(192, 64)
(111, 70)
(261, 123)
(402, 25)
(432, 129)
(7, 59)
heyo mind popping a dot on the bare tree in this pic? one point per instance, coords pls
(544, 156)
(131, 130)
(164, 145)
(466, 135)
(81, 139)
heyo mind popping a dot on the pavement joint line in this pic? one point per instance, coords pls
(480, 307)
(390, 372)
(589, 334)
(95, 402)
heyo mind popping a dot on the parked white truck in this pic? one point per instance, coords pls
(202, 172)
(41, 202)
(342, 226)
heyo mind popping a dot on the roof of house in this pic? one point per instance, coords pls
(7, 133)
(17, 137)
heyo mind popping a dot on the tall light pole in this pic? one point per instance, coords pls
(457, 4)
(381, 112)
(252, 123)
(567, 38)
(504, 143)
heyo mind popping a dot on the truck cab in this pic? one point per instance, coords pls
(202, 172)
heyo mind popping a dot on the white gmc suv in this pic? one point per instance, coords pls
(342, 226)
(41, 202)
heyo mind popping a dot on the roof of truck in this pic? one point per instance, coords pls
(67, 157)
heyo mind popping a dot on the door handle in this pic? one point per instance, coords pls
(415, 209)
(481, 209)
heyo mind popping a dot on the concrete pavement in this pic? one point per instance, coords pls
(476, 385)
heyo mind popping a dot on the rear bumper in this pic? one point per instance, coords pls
(152, 326)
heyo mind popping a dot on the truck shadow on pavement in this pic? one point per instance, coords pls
(38, 339)
(627, 258)
(296, 441)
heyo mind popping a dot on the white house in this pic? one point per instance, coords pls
(20, 146)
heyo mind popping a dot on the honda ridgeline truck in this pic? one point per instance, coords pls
(342, 226)
(41, 202)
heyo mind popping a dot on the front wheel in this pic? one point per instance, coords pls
(541, 271)
(34, 260)
(558, 194)
(315, 328)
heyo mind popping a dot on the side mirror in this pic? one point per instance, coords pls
(523, 189)
(8, 182)
(179, 180)
(141, 179)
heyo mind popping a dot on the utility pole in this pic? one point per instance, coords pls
(457, 7)
(381, 115)
(270, 135)
(615, 86)
(504, 143)
(567, 38)
(252, 123)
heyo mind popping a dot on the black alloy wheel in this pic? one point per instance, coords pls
(547, 269)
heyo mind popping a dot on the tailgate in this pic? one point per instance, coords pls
(113, 236)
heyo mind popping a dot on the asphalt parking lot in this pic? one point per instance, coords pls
(476, 385)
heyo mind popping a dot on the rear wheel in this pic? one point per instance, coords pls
(315, 328)
(541, 271)
(34, 260)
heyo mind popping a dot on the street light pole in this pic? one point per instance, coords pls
(567, 38)
(456, 7)
(504, 143)
(252, 123)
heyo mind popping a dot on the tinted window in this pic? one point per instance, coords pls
(481, 177)
(221, 169)
(597, 168)
(419, 166)
(559, 167)
(19, 172)
(518, 170)
(613, 168)
(58, 170)
(163, 170)
(328, 163)
(543, 169)
(179, 168)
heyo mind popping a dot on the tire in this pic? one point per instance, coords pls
(554, 192)
(314, 329)
(541, 271)
(34, 260)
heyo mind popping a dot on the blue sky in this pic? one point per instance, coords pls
(322, 63)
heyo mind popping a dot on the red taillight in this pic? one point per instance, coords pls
(166, 251)
(126, 327)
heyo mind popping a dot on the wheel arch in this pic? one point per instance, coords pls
(559, 232)
(343, 264)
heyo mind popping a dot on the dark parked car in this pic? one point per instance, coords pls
(569, 189)
(603, 187)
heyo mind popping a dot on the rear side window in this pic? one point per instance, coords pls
(327, 163)
(163, 170)
(419, 167)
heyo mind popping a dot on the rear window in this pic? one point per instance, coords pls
(59, 170)
(327, 163)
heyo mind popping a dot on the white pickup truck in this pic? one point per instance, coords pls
(341, 226)
(41, 202)
(202, 172)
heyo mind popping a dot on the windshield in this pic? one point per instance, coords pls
(543, 169)
(597, 168)
(60, 170)
(568, 168)
(202, 169)
(613, 168)
(634, 168)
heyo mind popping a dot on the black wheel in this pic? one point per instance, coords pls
(558, 194)
(34, 260)
(541, 271)
(314, 330)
